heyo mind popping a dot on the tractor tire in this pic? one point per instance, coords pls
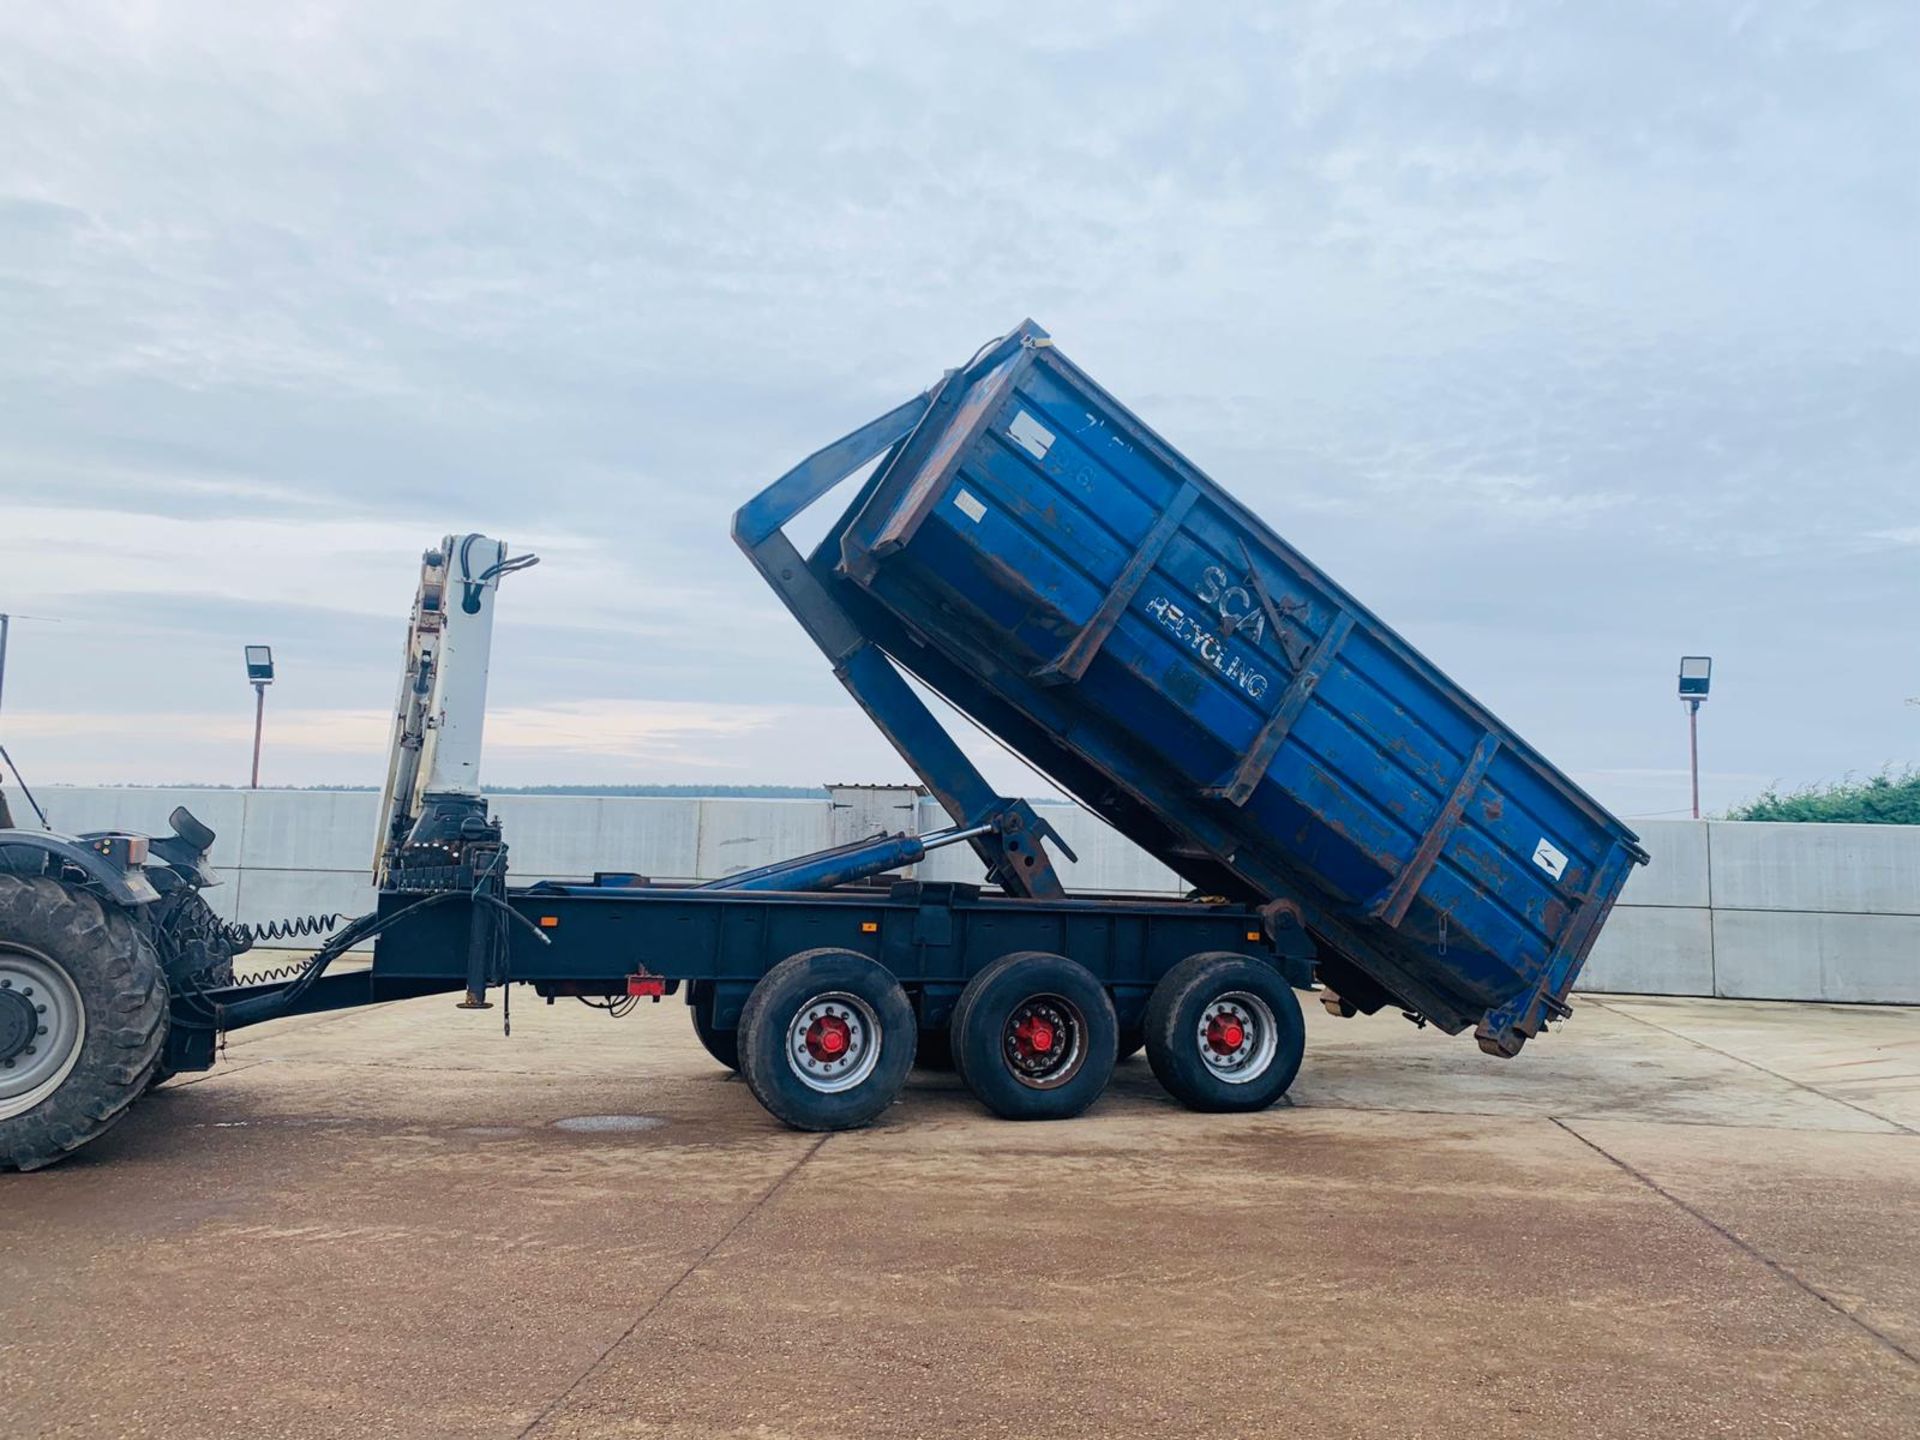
(1224, 1033)
(195, 945)
(826, 1040)
(196, 952)
(83, 1019)
(722, 1045)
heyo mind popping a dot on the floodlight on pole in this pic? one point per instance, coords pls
(1696, 678)
(259, 675)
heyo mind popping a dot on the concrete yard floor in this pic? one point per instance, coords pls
(1669, 1218)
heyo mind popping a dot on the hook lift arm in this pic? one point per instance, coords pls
(1007, 834)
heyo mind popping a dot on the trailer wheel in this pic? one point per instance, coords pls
(1224, 1033)
(1133, 1039)
(83, 1018)
(1035, 1035)
(826, 1040)
(722, 1045)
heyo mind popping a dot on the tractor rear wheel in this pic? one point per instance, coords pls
(83, 1019)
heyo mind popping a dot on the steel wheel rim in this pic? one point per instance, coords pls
(40, 998)
(833, 1042)
(1237, 1037)
(1061, 1024)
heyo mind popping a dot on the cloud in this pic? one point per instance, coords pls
(573, 742)
(1567, 338)
(619, 731)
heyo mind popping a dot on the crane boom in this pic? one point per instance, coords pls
(433, 757)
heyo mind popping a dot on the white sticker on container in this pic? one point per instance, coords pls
(1550, 858)
(1037, 438)
(968, 505)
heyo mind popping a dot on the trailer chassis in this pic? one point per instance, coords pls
(620, 940)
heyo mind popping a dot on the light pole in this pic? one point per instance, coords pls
(260, 673)
(1696, 675)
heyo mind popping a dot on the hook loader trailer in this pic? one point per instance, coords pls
(1022, 545)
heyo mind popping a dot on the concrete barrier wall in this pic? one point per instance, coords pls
(285, 853)
(1792, 912)
(1768, 912)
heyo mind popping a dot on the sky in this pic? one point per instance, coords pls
(1571, 338)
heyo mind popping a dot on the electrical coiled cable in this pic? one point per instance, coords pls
(292, 928)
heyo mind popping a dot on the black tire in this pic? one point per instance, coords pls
(1035, 1036)
(195, 947)
(196, 953)
(1254, 1007)
(108, 969)
(1133, 1039)
(852, 1001)
(722, 1045)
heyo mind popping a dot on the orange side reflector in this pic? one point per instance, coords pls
(1253, 934)
(549, 922)
(869, 927)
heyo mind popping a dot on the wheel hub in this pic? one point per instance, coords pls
(19, 1023)
(1043, 1041)
(1238, 1037)
(833, 1042)
(1225, 1034)
(1034, 1036)
(828, 1038)
(43, 1025)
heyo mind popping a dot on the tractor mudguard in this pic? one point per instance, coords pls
(123, 886)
